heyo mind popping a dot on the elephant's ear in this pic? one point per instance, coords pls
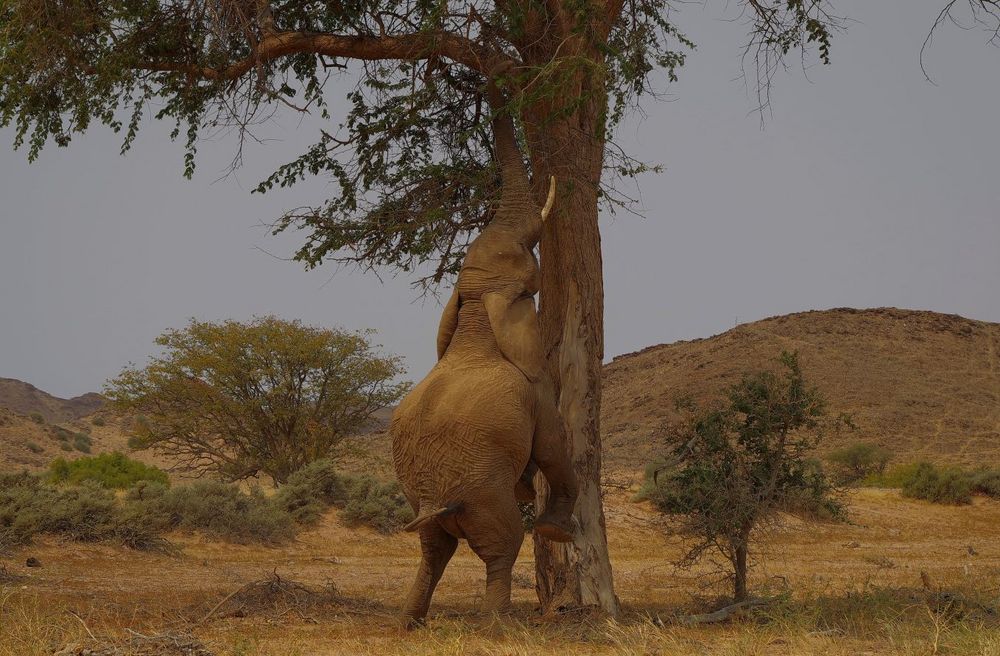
(449, 321)
(515, 326)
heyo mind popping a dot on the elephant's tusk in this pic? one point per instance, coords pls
(551, 200)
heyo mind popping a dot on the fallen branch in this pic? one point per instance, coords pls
(218, 605)
(725, 613)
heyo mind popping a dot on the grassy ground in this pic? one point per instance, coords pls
(900, 579)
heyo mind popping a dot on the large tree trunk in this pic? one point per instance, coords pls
(576, 574)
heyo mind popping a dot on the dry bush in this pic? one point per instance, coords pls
(362, 499)
(216, 509)
(84, 513)
(275, 596)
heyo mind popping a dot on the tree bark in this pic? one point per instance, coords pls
(571, 313)
(740, 566)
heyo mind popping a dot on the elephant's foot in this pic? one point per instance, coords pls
(553, 527)
(410, 622)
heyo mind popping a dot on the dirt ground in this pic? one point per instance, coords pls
(903, 577)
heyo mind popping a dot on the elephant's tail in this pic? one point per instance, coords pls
(425, 517)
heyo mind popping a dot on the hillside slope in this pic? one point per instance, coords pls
(26, 399)
(29, 444)
(924, 384)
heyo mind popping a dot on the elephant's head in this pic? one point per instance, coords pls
(500, 269)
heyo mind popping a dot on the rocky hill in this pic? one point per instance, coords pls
(924, 384)
(26, 399)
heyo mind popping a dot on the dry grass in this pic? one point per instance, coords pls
(843, 589)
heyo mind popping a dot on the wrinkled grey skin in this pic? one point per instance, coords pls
(466, 439)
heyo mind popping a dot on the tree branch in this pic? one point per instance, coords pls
(420, 45)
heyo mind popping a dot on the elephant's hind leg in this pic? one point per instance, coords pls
(495, 534)
(437, 548)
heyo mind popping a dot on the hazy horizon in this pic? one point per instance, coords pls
(867, 187)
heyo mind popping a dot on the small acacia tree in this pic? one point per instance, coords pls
(264, 397)
(734, 467)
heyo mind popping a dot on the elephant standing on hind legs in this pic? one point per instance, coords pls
(485, 416)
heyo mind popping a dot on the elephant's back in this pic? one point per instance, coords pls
(463, 428)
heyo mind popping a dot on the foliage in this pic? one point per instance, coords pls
(37, 417)
(89, 512)
(858, 461)
(734, 466)
(986, 482)
(412, 160)
(924, 480)
(69, 440)
(894, 477)
(381, 506)
(110, 470)
(527, 510)
(362, 499)
(82, 442)
(263, 397)
(949, 485)
(98, 420)
(216, 509)
(34, 447)
(83, 513)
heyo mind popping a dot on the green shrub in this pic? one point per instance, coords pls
(216, 509)
(735, 464)
(311, 490)
(381, 506)
(37, 417)
(98, 421)
(82, 442)
(65, 446)
(986, 482)
(922, 480)
(84, 513)
(894, 477)
(111, 470)
(33, 447)
(857, 461)
(29, 505)
(939, 485)
(362, 499)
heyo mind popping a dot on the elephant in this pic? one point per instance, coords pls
(467, 439)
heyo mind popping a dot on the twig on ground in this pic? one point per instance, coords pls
(87, 628)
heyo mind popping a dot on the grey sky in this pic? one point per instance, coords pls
(868, 187)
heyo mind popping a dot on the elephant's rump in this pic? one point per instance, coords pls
(461, 435)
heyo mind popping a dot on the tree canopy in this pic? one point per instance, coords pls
(264, 397)
(412, 157)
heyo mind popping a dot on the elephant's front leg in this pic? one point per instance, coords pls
(549, 452)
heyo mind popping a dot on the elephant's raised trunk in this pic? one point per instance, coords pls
(517, 210)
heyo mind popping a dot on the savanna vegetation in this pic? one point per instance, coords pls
(265, 397)
(413, 167)
(414, 179)
(733, 467)
(939, 484)
(77, 501)
(110, 470)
